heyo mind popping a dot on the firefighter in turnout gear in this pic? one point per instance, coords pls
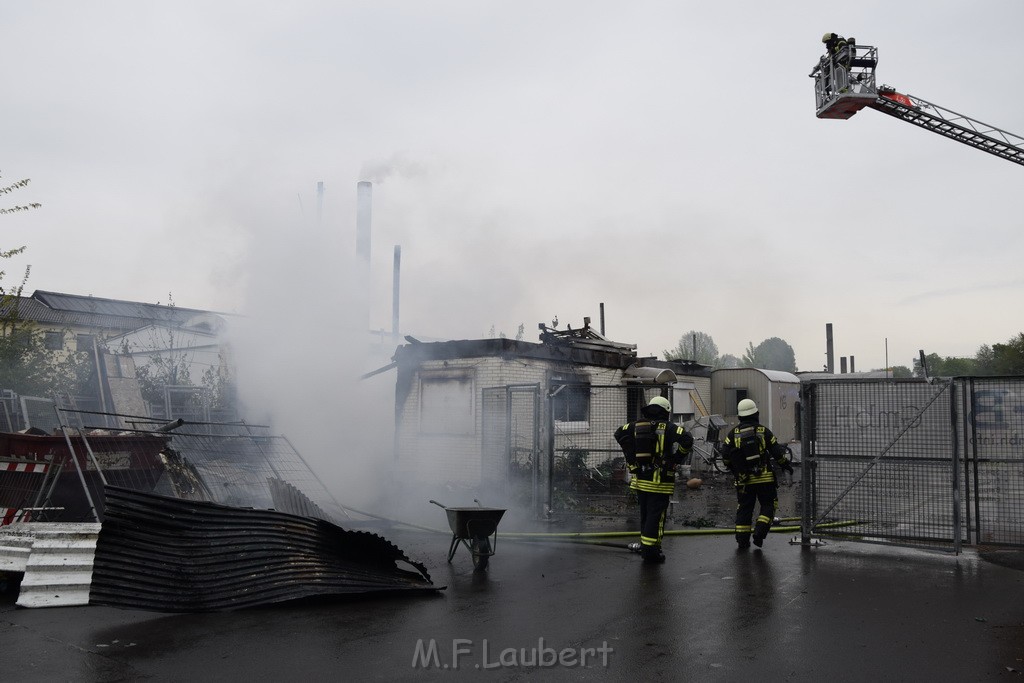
(837, 50)
(653, 447)
(752, 453)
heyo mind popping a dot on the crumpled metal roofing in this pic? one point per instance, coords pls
(164, 554)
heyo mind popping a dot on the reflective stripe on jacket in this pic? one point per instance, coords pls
(774, 452)
(652, 450)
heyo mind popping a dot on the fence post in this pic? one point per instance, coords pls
(807, 427)
(78, 465)
(536, 451)
(550, 507)
(955, 453)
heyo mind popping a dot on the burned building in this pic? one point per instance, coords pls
(476, 413)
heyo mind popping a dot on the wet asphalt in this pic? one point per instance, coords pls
(840, 612)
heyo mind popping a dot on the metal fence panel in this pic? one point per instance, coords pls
(588, 470)
(883, 455)
(993, 414)
(511, 442)
(39, 413)
(231, 464)
(935, 464)
(10, 414)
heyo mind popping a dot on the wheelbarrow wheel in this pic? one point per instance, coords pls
(481, 547)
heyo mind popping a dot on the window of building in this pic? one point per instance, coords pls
(446, 405)
(570, 402)
(53, 341)
(22, 338)
(83, 342)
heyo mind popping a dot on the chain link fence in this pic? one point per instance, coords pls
(234, 464)
(587, 469)
(991, 411)
(555, 452)
(511, 427)
(932, 464)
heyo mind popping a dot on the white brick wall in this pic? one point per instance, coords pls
(456, 459)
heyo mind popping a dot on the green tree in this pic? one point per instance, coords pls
(220, 388)
(696, 346)
(167, 362)
(985, 360)
(771, 354)
(727, 360)
(20, 367)
(997, 359)
(1008, 358)
(749, 358)
(932, 361)
(901, 372)
(949, 366)
(26, 365)
(959, 367)
(22, 207)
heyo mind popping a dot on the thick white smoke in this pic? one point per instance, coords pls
(301, 348)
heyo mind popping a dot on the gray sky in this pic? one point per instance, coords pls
(532, 159)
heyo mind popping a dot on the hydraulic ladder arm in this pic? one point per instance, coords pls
(845, 84)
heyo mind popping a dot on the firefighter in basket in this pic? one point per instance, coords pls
(752, 453)
(653, 447)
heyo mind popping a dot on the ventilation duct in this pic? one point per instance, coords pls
(635, 374)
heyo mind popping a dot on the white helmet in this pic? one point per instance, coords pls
(746, 407)
(662, 403)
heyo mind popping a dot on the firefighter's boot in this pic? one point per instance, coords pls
(764, 523)
(653, 555)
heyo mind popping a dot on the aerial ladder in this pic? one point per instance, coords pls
(844, 83)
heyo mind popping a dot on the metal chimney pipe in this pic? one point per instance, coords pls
(395, 282)
(830, 359)
(319, 202)
(364, 204)
(602, 319)
(170, 426)
(851, 365)
(842, 365)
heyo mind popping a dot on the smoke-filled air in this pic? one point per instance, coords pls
(532, 161)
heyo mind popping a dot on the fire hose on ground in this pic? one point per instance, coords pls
(594, 537)
(589, 537)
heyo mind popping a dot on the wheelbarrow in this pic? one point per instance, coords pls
(473, 528)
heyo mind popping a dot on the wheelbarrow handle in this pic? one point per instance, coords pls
(438, 504)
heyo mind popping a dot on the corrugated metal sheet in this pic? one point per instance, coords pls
(287, 498)
(59, 565)
(37, 311)
(54, 308)
(95, 305)
(15, 547)
(170, 555)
